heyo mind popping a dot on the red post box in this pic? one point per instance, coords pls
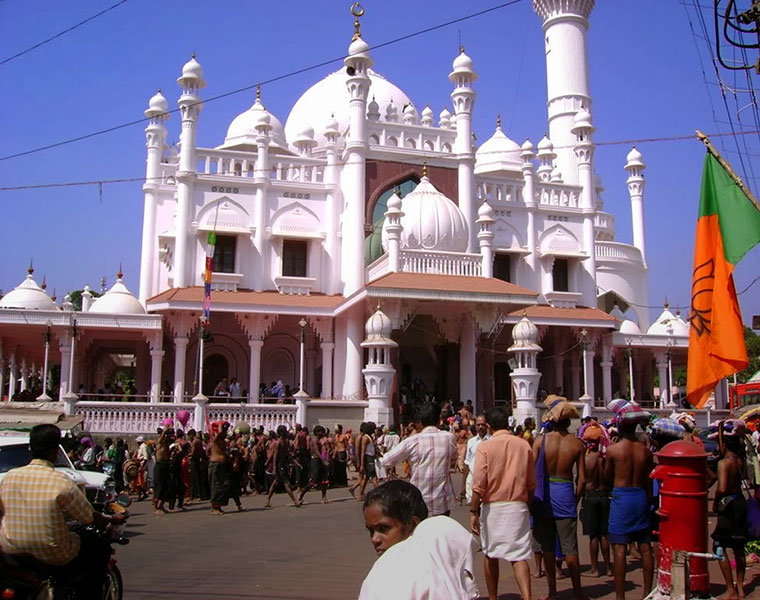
(681, 470)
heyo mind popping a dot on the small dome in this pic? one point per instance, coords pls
(192, 75)
(378, 326)
(241, 134)
(668, 324)
(462, 65)
(498, 153)
(556, 174)
(444, 118)
(27, 295)
(427, 116)
(525, 331)
(582, 118)
(391, 112)
(527, 146)
(330, 95)
(629, 327)
(485, 211)
(634, 159)
(118, 301)
(394, 202)
(373, 110)
(358, 48)
(331, 126)
(410, 114)
(157, 106)
(431, 221)
(545, 145)
(306, 134)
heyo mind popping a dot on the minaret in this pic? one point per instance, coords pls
(357, 64)
(635, 167)
(565, 23)
(379, 372)
(463, 97)
(525, 376)
(155, 141)
(262, 181)
(584, 154)
(189, 103)
(353, 183)
(331, 134)
(528, 170)
(485, 238)
(393, 229)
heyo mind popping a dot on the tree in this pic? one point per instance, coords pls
(752, 341)
(76, 298)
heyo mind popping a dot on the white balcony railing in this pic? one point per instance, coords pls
(604, 225)
(226, 282)
(558, 195)
(617, 252)
(295, 286)
(563, 299)
(231, 163)
(441, 263)
(496, 192)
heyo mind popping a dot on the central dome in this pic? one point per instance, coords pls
(431, 221)
(330, 97)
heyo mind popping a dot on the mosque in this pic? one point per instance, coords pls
(367, 251)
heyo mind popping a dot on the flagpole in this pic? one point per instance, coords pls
(724, 163)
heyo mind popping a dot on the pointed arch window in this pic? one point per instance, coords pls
(373, 247)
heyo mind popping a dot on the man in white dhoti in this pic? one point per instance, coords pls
(482, 434)
(503, 480)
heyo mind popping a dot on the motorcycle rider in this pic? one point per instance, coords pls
(36, 501)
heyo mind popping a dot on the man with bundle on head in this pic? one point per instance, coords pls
(562, 453)
(595, 510)
(628, 465)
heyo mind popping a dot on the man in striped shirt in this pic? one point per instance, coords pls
(432, 454)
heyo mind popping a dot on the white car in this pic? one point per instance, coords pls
(15, 452)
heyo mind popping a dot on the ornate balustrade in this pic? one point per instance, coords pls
(441, 263)
(496, 192)
(377, 269)
(414, 137)
(230, 163)
(616, 251)
(559, 195)
(604, 225)
(146, 417)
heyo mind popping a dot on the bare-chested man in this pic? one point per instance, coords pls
(595, 512)
(319, 463)
(218, 474)
(731, 505)
(281, 450)
(563, 452)
(162, 488)
(340, 464)
(628, 464)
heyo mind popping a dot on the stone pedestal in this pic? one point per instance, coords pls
(302, 405)
(199, 418)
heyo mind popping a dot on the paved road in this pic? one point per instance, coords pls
(311, 553)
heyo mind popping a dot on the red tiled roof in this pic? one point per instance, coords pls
(192, 295)
(450, 284)
(580, 313)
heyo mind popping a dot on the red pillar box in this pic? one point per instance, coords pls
(682, 473)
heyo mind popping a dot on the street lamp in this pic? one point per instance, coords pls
(43, 397)
(302, 323)
(587, 399)
(671, 403)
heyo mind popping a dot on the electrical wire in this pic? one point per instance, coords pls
(265, 81)
(64, 32)
(633, 141)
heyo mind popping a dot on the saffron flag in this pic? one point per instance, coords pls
(728, 226)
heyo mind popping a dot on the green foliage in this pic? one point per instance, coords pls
(752, 341)
(76, 298)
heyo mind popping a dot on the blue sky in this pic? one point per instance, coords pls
(646, 75)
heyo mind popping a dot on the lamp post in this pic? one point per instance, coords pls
(301, 397)
(43, 397)
(629, 354)
(586, 398)
(70, 398)
(671, 403)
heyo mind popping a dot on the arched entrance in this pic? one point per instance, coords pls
(214, 368)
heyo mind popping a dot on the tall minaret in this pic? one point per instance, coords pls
(263, 128)
(584, 155)
(353, 183)
(189, 103)
(155, 140)
(635, 167)
(463, 97)
(565, 23)
(358, 82)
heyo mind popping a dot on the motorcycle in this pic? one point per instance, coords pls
(25, 578)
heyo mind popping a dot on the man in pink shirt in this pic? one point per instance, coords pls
(503, 480)
(432, 454)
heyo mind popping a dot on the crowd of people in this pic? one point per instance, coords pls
(527, 486)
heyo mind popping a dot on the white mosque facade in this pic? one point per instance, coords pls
(365, 205)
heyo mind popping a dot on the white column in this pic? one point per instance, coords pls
(393, 228)
(332, 200)
(24, 375)
(584, 152)
(180, 358)
(353, 383)
(64, 347)
(468, 365)
(606, 381)
(327, 368)
(588, 375)
(662, 374)
(531, 259)
(12, 376)
(485, 238)
(565, 25)
(254, 372)
(261, 178)
(156, 360)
